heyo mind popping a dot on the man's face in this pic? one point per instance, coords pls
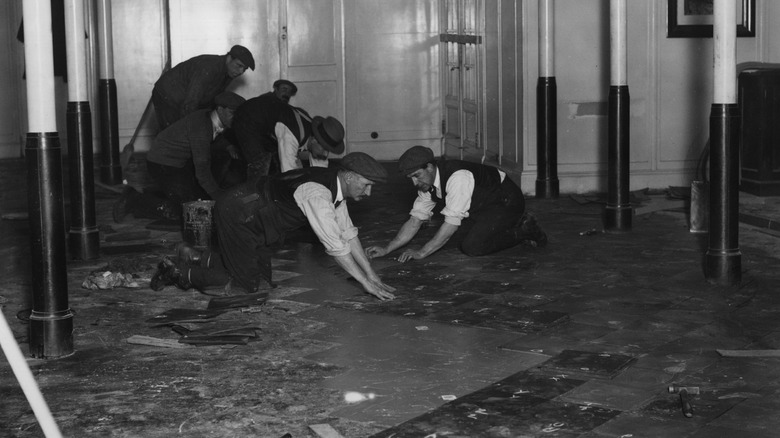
(284, 92)
(316, 150)
(235, 67)
(357, 186)
(225, 116)
(423, 178)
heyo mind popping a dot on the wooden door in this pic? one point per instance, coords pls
(310, 54)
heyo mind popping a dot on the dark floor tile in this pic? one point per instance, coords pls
(634, 425)
(602, 365)
(610, 395)
(540, 344)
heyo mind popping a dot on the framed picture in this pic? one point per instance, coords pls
(693, 18)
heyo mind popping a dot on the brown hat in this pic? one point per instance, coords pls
(364, 165)
(414, 158)
(329, 133)
(279, 82)
(228, 99)
(243, 54)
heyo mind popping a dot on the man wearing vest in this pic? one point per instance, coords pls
(253, 216)
(269, 130)
(472, 192)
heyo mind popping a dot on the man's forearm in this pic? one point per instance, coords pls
(348, 263)
(405, 234)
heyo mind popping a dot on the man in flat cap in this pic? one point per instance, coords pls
(179, 161)
(269, 132)
(284, 90)
(193, 84)
(253, 216)
(483, 196)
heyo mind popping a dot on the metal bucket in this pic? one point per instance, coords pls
(198, 229)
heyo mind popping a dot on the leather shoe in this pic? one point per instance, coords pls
(530, 232)
(169, 273)
(187, 254)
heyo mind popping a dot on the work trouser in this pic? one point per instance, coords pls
(495, 227)
(244, 256)
(175, 185)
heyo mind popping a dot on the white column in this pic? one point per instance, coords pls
(617, 42)
(725, 51)
(77, 51)
(39, 66)
(105, 40)
(546, 39)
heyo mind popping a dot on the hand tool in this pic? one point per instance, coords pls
(685, 393)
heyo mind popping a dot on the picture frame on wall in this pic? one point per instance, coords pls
(693, 18)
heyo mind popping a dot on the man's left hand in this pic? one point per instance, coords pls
(410, 254)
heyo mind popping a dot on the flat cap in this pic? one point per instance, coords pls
(416, 157)
(280, 82)
(228, 99)
(243, 54)
(364, 165)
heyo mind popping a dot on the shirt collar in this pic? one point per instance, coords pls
(339, 193)
(216, 124)
(437, 181)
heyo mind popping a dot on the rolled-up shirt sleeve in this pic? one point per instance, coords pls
(331, 224)
(460, 187)
(423, 206)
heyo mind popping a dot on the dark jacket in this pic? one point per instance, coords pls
(188, 139)
(194, 83)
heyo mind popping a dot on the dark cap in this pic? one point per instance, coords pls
(228, 99)
(416, 157)
(362, 164)
(244, 55)
(280, 82)
(329, 132)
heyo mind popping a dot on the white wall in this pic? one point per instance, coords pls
(392, 78)
(670, 85)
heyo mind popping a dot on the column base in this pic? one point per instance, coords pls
(723, 268)
(617, 218)
(51, 334)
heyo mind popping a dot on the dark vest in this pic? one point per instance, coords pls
(487, 182)
(278, 210)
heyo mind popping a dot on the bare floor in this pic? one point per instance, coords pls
(580, 338)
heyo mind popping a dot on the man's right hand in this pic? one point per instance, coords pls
(376, 251)
(379, 290)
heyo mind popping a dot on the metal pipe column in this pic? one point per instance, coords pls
(547, 184)
(110, 164)
(618, 213)
(723, 260)
(83, 237)
(51, 321)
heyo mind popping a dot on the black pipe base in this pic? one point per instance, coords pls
(547, 189)
(51, 334)
(84, 243)
(618, 219)
(723, 268)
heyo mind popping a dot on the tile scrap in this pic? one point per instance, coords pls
(155, 342)
(325, 431)
(749, 353)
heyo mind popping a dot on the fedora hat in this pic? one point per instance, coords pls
(329, 133)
